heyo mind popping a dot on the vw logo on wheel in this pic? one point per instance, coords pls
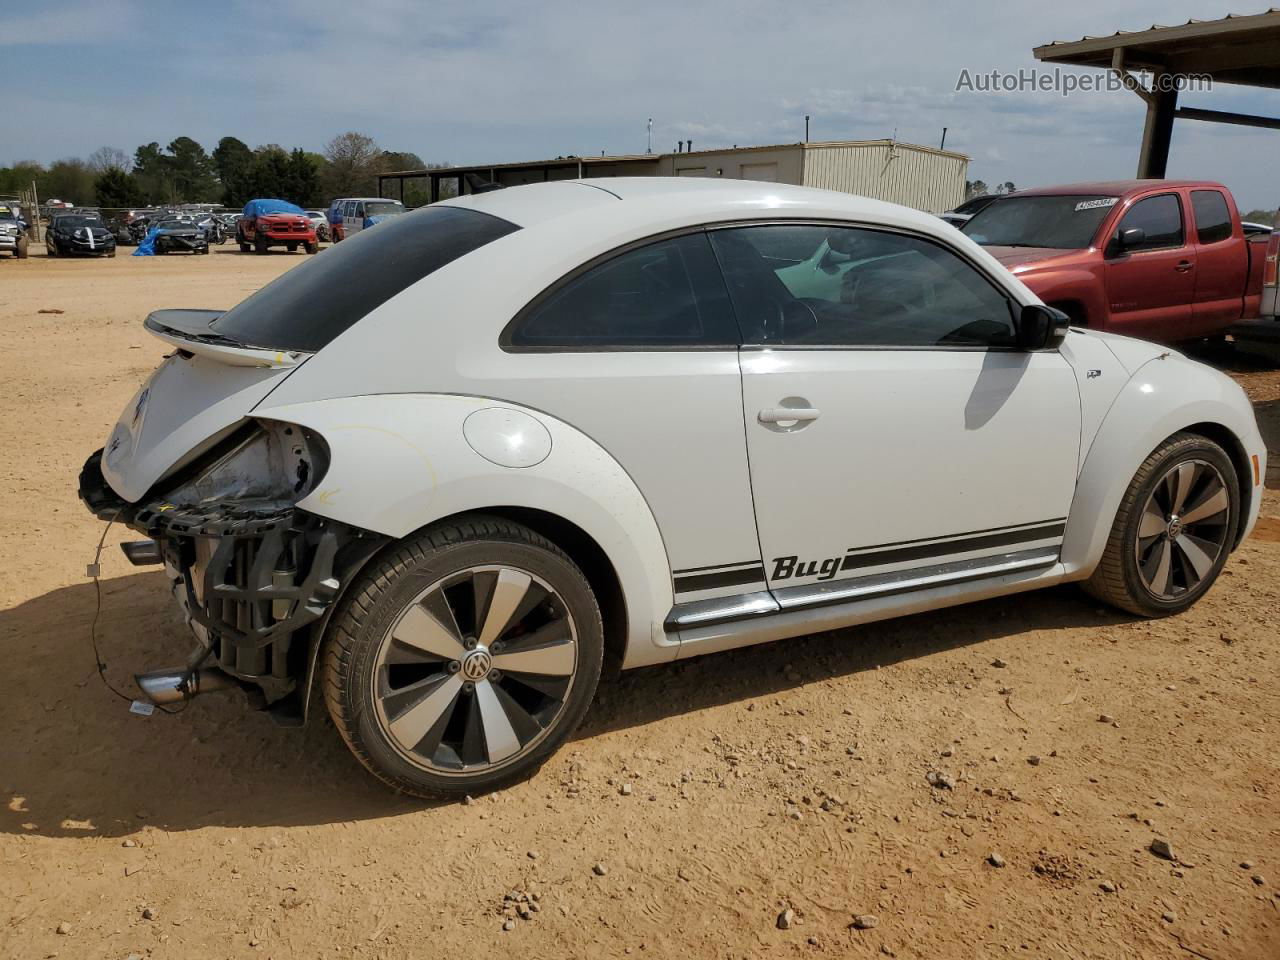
(476, 664)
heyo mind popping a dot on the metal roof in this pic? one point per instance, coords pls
(1237, 48)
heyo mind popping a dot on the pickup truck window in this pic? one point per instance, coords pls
(1160, 218)
(1067, 222)
(1213, 218)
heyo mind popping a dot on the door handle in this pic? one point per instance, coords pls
(789, 414)
(1184, 265)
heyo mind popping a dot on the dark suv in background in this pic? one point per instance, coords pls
(85, 233)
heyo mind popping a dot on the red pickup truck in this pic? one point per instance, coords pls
(275, 223)
(1164, 260)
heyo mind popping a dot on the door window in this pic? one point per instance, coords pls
(1213, 218)
(667, 294)
(820, 286)
(1160, 218)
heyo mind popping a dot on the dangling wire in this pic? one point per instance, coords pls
(93, 625)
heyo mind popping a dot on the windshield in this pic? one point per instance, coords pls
(1065, 222)
(175, 222)
(316, 301)
(75, 222)
(382, 209)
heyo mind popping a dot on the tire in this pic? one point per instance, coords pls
(50, 248)
(1181, 556)
(244, 247)
(111, 254)
(259, 246)
(373, 683)
(311, 247)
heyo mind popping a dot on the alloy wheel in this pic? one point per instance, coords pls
(476, 670)
(1183, 529)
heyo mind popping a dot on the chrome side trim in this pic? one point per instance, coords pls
(719, 610)
(701, 613)
(921, 578)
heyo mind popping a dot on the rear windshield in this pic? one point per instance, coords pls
(1064, 222)
(316, 301)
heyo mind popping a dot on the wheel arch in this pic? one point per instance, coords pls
(1167, 395)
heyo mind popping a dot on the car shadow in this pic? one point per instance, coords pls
(78, 763)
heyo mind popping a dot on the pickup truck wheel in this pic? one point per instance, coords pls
(259, 245)
(244, 247)
(463, 658)
(1173, 530)
(311, 247)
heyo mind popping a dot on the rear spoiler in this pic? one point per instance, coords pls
(191, 330)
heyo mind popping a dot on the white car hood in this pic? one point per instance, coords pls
(187, 405)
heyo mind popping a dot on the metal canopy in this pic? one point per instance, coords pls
(1236, 49)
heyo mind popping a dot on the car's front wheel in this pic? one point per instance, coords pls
(463, 658)
(1173, 531)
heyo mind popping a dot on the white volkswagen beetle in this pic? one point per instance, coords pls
(460, 464)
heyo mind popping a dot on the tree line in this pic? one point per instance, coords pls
(232, 174)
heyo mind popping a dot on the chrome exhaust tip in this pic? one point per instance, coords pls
(142, 553)
(163, 687)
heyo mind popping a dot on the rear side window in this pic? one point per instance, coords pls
(668, 294)
(1160, 218)
(1213, 219)
(316, 301)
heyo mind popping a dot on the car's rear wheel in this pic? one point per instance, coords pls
(463, 659)
(1173, 531)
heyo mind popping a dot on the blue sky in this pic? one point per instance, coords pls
(483, 81)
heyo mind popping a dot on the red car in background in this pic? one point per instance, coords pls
(275, 223)
(1164, 260)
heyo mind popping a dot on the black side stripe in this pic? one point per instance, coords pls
(720, 578)
(961, 536)
(946, 548)
(717, 566)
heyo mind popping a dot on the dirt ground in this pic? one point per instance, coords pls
(714, 795)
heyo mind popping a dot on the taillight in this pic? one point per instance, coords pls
(1269, 265)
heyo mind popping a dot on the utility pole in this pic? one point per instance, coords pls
(806, 128)
(648, 143)
(943, 144)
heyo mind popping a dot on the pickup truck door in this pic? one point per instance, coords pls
(1222, 263)
(1150, 286)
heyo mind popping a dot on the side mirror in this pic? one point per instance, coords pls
(1041, 328)
(1132, 237)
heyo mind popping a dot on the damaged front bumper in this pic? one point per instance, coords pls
(256, 579)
